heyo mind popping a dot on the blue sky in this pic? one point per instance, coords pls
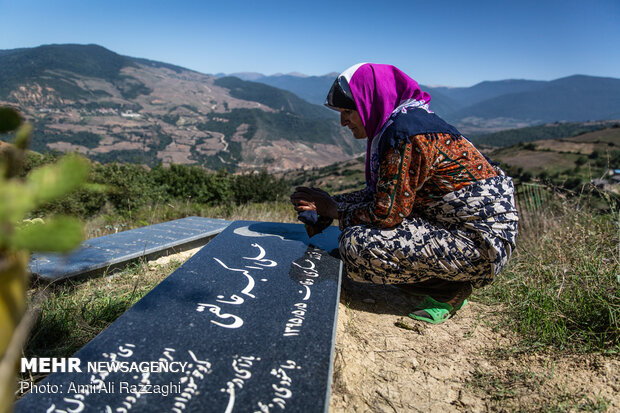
(453, 43)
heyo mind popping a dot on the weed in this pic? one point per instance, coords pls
(560, 288)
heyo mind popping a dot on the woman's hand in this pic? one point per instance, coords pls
(314, 199)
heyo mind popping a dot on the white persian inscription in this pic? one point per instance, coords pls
(241, 366)
(77, 403)
(137, 386)
(260, 258)
(281, 388)
(214, 309)
(200, 369)
(227, 320)
(293, 325)
(234, 299)
(310, 273)
(251, 283)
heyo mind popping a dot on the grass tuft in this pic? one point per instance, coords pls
(561, 288)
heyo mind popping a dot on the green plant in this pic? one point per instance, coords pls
(192, 182)
(19, 235)
(561, 288)
(258, 187)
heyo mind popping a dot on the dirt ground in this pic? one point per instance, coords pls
(387, 362)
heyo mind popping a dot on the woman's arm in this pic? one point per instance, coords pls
(314, 199)
(402, 172)
(316, 209)
(357, 197)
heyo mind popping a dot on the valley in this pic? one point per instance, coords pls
(113, 108)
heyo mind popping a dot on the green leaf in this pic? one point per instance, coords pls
(15, 202)
(9, 120)
(56, 180)
(22, 137)
(60, 234)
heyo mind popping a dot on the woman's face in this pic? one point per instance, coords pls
(351, 118)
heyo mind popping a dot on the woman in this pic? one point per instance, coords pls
(435, 217)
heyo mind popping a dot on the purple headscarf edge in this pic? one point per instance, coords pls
(377, 90)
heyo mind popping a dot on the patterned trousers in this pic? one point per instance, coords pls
(414, 251)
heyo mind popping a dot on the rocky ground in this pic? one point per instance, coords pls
(387, 362)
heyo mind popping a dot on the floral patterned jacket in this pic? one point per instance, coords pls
(419, 171)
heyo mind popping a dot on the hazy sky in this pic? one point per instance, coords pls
(453, 43)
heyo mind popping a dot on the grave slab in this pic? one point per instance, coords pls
(114, 250)
(246, 325)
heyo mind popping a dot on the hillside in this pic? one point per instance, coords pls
(568, 161)
(553, 101)
(310, 88)
(492, 106)
(546, 131)
(89, 99)
(110, 107)
(482, 91)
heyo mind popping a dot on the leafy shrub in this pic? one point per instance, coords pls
(20, 236)
(581, 161)
(258, 187)
(129, 186)
(192, 182)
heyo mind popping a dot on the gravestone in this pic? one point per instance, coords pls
(246, 325)
(115, 250)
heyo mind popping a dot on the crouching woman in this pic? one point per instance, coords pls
(436, 218)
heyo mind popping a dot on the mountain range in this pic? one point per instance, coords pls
(110, 107)
(491, 106)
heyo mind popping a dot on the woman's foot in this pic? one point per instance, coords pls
(442, 300)
(435, 312)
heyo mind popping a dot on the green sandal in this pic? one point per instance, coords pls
(438, 312)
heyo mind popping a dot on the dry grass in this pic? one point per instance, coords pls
(74, 312)
(111, 222)
(561, 287)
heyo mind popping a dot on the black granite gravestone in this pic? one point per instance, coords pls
(246, 325)
(104, 252)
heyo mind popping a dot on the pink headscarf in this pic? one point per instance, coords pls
(377, 90)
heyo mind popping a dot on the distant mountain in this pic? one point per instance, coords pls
(273, 97)
(110, 107)
(554, 130)
(492, 106)
(466, 96)
(310, 88)
(314, 89)
(251, 76)
(574, 98)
